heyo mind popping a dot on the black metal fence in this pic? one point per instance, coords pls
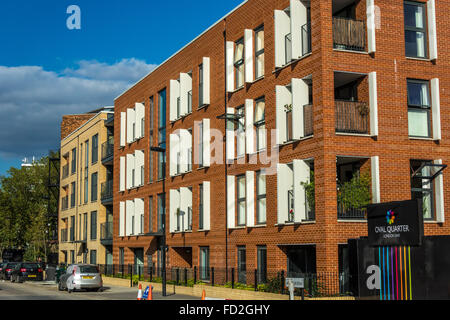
(321, 284)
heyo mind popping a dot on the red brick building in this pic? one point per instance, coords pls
(353, 90)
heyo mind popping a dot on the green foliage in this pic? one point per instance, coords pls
(24, 221)
(310, 188)
(356, 192)
(237, 285)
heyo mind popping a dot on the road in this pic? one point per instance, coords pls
(49, 291)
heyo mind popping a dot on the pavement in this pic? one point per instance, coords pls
(48, 290)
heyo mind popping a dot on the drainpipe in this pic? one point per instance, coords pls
(226, 165)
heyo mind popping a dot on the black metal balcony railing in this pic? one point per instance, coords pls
(348, 207)
(288, 48)
(189, 106)
(106, 231)
(64, 235)
(65, 203)
(352, 117)
(349, 34)
(107, 190)
(108, 149)
(65, 171)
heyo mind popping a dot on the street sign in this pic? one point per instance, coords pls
(145, 295)
(298, 282)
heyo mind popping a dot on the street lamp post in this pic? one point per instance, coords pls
(163, 238)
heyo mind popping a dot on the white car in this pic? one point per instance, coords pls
(81, 276)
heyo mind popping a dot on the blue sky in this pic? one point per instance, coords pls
(47, 70)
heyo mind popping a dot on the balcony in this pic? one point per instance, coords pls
(65, 203)
(353, 188)
(349, 34)
(107, 192)
(306, 39)
(106, 233)
(352, 117)
(65, 171)
(64, 235)
(108, 151)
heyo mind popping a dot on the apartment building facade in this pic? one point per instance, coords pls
(85, 214)
(281, 122)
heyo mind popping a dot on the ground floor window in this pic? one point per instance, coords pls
(301, 259)
(344, 271)
(242, 264)
(204, 263)
(93, 257)
(261, 264)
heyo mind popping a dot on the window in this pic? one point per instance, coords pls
(72, 256)
(189, 153)
(94, 188)
(241, 203)
(72, 196)
(121, 256)
(94, 149)
(418, 108)
(200, 145)
(86, 172)
(150, 214)
(239, 63)
(93, 257)
(200, 208)
(94, 225)
(74, 160)
(161, 210)
(85, 226)
(240, 132)
(260, 198)
(200, 85)
(204, 263)
(189, 213)
(162, 134)
(72, 228)
(415, 30)
(242, 265)
(150, 156)
(259, 52)
(260, 124)
(423, 189)
(261, 252)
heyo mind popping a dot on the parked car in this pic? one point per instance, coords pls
(81, 276)
(24, 271)
(7, 268)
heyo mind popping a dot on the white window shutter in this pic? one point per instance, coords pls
(282, 28)
(436, 108)
(250, 197)
(231, 204)
(375, 173)
(174, 141)
(249, 127)
(300, 98)
(230, 137)
(206, 205)
(123, 126)
(185, 87)
(130, 167)
(131, 119)
(174, 94)
(140, 114)
(248, 42)
(185, 144)
(206, 80)
(206, 143)
(283, 185)
(373, 104)
(432, 33)
(122, 174)
(230, 66)
(439, 195)
(129, 217)
(138, 212)
(122, 219)
(371, 27)
(139, 161)
(174, 203)
(301, 174)
(283, 97)
(298, 19)
(185, 203)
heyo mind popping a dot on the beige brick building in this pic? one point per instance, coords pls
(85, 213)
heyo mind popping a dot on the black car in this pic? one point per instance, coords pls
(6, 269)
(25, 271)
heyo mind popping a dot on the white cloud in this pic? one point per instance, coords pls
(33, 100)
